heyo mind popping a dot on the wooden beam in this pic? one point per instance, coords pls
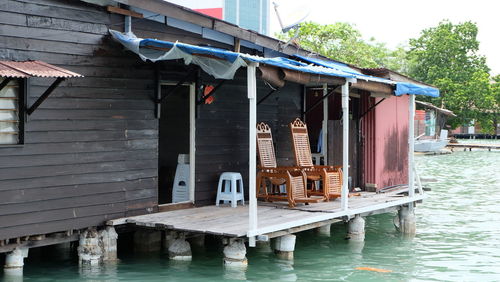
(174, 207)
(301, 228)
(237, 45)
(116, 10)
(39, 243)
(373, 86)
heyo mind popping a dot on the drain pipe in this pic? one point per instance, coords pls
(128, 25)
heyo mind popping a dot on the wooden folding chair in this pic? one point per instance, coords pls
(331, 176)
(269, 173)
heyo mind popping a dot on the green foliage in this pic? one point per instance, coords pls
(447, 56)
(343, 42)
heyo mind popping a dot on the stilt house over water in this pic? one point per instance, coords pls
(102, 100)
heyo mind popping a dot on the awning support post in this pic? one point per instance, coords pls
(411, 149)
(252, 150)
(345, 146)
(324, 136)
(45, 95)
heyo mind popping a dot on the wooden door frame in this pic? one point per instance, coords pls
(192, 150)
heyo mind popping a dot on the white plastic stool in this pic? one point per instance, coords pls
(230, 191)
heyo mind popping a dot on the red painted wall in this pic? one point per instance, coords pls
(386, 142)
(213, 12)
(391, 141)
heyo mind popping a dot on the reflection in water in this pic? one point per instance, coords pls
(356, 247)
(235, 272)
(13, 274)
(179, 265)
(287, 272)
(458, 227)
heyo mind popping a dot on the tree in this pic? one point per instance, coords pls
(447, 56)
(343, 42)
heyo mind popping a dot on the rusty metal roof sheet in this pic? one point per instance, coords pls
(33, 69)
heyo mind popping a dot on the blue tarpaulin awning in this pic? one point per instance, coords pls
(415, 89)
(224, 64)
(401, 87)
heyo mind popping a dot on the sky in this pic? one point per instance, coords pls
(395, 21)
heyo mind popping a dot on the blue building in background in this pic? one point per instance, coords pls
(249, 14)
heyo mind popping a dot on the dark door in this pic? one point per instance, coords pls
(173, 138)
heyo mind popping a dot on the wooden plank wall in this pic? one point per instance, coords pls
(91, 151)
(222, 131)
(336, 151)
(91, 148)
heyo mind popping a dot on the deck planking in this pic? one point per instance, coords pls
(233, 222)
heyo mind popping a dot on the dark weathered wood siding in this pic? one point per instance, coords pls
(222, 131)
(90, 150)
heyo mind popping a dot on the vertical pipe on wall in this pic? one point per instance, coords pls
(411, 148)
(324, 136)
(128, 24)
(345, 145)
(192, 140)
(252, 150)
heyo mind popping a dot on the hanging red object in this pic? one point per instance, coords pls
(208, 89)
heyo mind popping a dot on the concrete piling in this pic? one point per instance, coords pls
(15, 259)
(406, 220)
(324, 230)
(90, 249)
(235, 254)
(109, 239)
(356, 229)
(180, 248)
(284, 246)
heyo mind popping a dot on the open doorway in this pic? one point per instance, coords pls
(176, 144)
(314, 105)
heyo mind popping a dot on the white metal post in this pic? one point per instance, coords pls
(192, 140)
(252, 150)
(411, 148)
(324, 136)
(345, 145)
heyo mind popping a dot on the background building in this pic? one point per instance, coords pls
(249, 14)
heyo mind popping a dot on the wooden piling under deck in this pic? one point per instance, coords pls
(233, 222)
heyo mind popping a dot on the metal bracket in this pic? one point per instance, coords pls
(371, 108)
(5, 82)
(45, 95)
(267, 96)
(204, 98)
(179, 84)
(322, 99)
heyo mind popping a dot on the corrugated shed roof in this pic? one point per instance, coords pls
(33, 69)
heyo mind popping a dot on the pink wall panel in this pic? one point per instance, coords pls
(391, 142)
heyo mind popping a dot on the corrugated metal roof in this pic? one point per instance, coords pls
(33, 69)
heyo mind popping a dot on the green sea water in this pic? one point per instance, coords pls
(458, 239)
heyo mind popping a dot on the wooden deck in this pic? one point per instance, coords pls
(274, 219)
(488, 147)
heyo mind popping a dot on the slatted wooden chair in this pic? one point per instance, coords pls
(331, 176)
(269, 173)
